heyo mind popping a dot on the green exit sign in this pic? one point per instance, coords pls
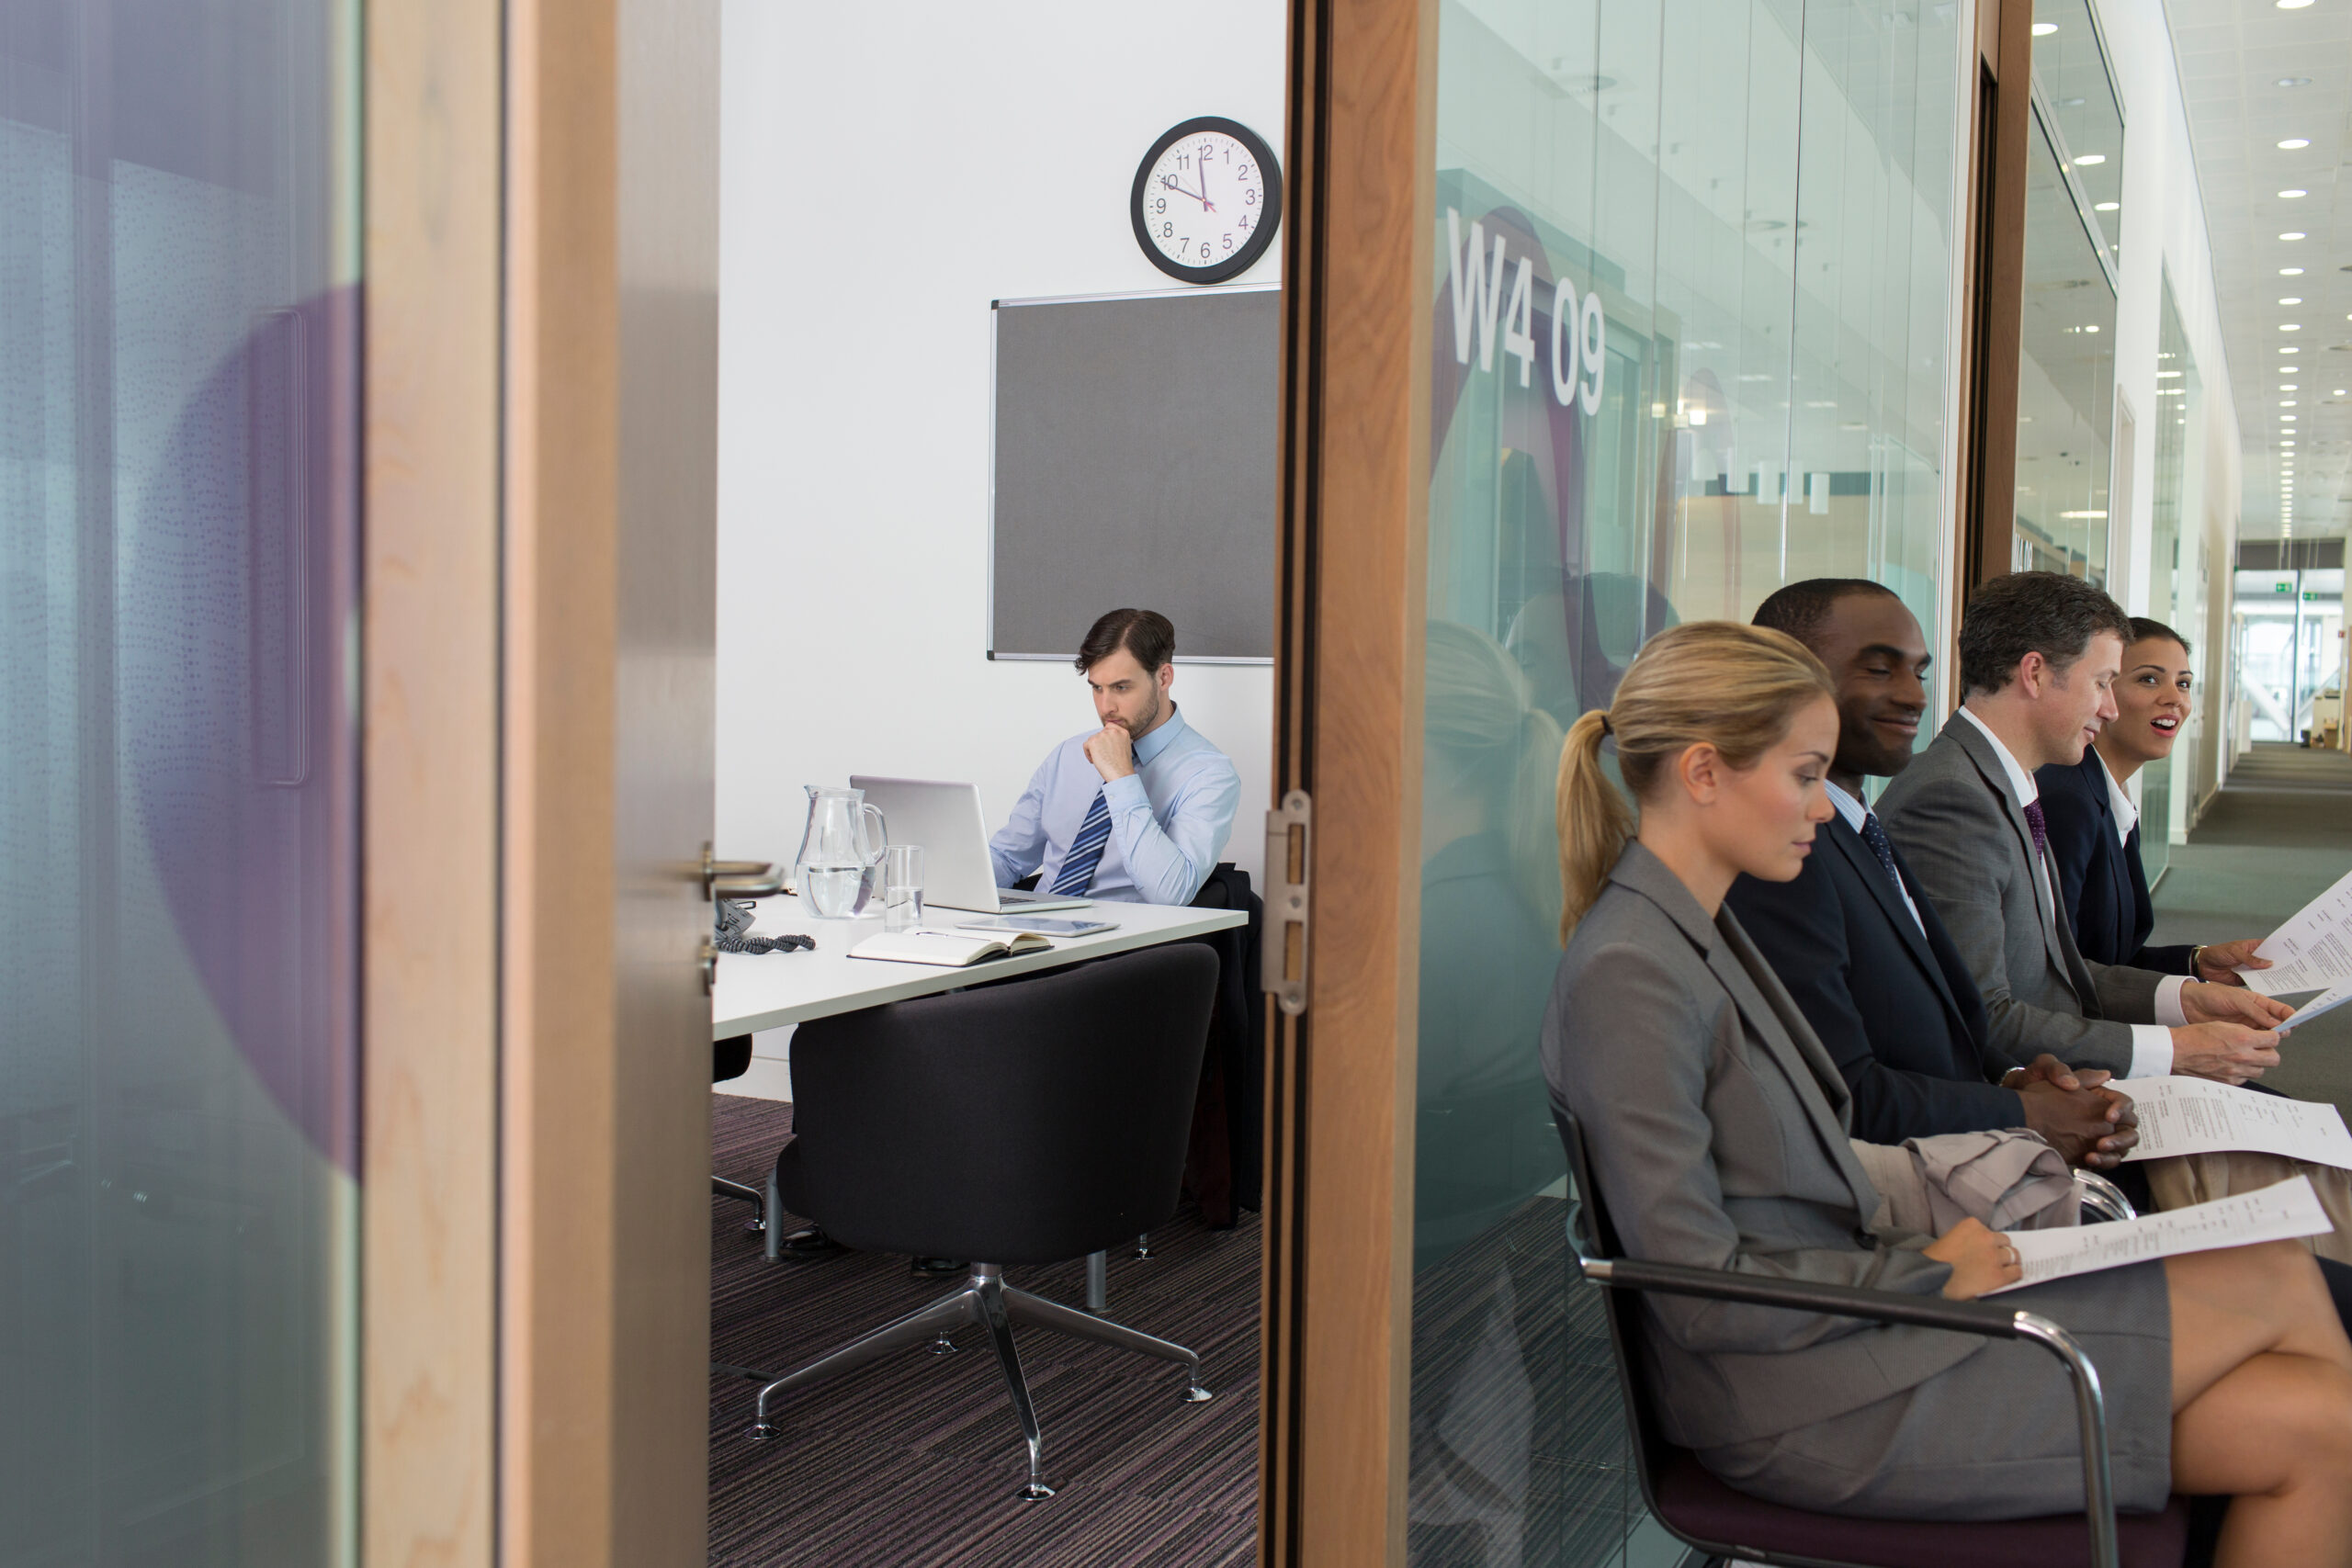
(2282, 588)
(2309, 594)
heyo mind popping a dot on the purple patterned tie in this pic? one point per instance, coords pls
(2040, 826)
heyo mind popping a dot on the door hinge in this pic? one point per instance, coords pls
(1287, 904)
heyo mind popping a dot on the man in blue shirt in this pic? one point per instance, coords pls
(1137, 810)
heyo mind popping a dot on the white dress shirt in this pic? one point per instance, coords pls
(2120, 801)
(2151, 1043)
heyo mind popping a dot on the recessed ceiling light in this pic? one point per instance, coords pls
(2292, 195)
(2286, 419)
(2287, 386)
(2291, 326)
(2092, 328)
(2292, 5)
(2290, 272)
(2292, 234)
(2290, 350)
(2087, 160)
(2291, 300)
(2293, 82)
(2286, 402)
(2337, 393)
(2043, 29)
(2294, 143)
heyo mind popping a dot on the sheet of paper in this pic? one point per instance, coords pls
(2195, 1116)
(2269, 1213)
(2326, 1001)
(2312, 951)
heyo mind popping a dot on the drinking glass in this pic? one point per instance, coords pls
(902, 887)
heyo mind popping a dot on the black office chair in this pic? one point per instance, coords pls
(1027, 1122)
(1703, 1512)
(731, 1059)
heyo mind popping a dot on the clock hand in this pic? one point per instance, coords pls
(1169, 181)
(1206, 203)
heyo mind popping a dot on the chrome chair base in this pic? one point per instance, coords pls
(722, 1187)
(984, 1301)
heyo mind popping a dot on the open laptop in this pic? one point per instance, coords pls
(946, 820)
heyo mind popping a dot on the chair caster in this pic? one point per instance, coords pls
(757, 1227)
(1036, 1491)
(1196, 1395)
(763, 1431)
(942, 1345)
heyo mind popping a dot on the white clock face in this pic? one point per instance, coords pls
(1204, 201)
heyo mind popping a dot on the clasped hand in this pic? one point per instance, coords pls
(2088, 1123)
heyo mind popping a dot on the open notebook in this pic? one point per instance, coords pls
(947, 949)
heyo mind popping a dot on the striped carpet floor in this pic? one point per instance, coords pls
(915, 1460)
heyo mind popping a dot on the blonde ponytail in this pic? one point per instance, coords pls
(1714, 682)
(1594, 823)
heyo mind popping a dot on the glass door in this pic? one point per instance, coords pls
(178, 867)
(1692, 263)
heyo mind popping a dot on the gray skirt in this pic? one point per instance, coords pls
(1994, 1437)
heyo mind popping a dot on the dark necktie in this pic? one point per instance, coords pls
(1086, 850)
(2040, 826)
(1875, 836)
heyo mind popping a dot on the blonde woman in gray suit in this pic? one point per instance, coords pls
(1717, 1126)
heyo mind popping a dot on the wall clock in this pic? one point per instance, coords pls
(1207, 200)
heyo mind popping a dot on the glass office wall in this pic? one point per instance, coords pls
(2065, 375)
(177, 866)
(2174, 541)
(2291, 627)
(1689, 330)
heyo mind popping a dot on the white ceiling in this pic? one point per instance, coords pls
(2232, 53)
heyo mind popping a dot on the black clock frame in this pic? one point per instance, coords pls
(1251, 248)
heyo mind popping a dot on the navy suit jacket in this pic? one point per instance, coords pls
(2102, 883)
(1894, 1006)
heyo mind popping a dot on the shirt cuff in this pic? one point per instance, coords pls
(2150, 1051)
(2169, 1012)
(1122, 793)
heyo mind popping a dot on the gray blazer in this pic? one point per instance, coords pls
(1961, 826)
(1717, 1126)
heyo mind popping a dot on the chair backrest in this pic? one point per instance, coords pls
(1022, 1121)
(1593, 1237)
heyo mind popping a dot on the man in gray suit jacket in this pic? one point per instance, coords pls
(2038, 653)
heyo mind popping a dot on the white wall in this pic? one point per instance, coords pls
(2165, 233)
(886, 171)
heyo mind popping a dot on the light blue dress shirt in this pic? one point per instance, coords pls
(1169, 819)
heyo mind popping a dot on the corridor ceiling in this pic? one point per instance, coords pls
(2270, 92)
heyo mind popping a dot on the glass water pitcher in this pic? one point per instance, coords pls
(839, 867)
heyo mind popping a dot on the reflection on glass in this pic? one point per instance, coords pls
(2174, 593)
(2077, 94)
(1688, 329)
(2066, 382)
(178, 337)
(2291, 651)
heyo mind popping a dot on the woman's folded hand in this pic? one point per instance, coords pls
(1981, 1259)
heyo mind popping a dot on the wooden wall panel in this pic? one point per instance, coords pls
(429, 694)
(1355, 465)
(2001, 123)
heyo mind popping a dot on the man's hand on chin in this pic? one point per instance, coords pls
(1113, 751)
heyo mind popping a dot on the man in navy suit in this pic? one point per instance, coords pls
(1859, 946)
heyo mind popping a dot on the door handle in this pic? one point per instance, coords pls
(739, 878)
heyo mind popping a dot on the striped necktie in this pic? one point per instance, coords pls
(1086, 850)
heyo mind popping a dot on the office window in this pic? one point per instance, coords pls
(2175, 555)
(1689, 324)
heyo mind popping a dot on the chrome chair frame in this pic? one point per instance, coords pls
(984, 1301)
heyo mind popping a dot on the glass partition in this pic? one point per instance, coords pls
(2076, 90)
(178, 339)
(2173, 595)
(1689, 331)
(2065, 380)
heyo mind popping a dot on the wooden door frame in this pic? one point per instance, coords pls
(1357, 255)
(1991, 281)
(534, 1327)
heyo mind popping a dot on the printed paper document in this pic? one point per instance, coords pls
(2269, 1213)
(2310, 952)
(2196, 1116)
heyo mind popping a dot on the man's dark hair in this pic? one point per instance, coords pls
(2047, 612)
(1146, 634)
(1801, 607)
(2143, 628)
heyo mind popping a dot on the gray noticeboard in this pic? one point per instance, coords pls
(1135, 441)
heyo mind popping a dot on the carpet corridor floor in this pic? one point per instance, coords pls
(2278, 835)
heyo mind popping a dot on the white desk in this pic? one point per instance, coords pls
(758, 991)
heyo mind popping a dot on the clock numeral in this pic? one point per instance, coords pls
(1160, 204)
(1204, 250)
(1182, 161)
(1228, 241)
(1244, 170)
(1167, 230)
(1250, 196)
